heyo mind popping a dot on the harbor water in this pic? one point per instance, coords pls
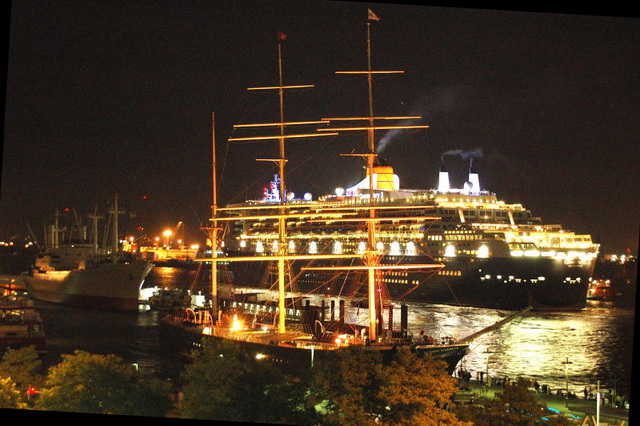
(558, 349)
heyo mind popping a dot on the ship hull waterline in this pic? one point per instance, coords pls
(107, 286)
(496, 283)
(297, 358)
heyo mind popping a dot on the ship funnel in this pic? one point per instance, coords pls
(443, 179)
(383, 180)
(474, 179)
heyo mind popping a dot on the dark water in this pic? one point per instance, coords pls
(597, 342)
(137, 337)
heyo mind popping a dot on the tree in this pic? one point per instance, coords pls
(415, 390)
(10, 396)
(226, 383)
(24, 368)
(102, 384)
(515, 406)
(344, 387)
(356, 386)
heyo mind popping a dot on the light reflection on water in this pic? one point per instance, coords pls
(597, 341)
(163, 277)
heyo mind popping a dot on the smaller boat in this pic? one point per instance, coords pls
(20, 323)
(600, 289)
(169, 298)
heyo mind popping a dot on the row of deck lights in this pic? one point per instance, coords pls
(252, 308)
(482, 252)
(394, 248)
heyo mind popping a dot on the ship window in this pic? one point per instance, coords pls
(395, 248)
(337, 247)
(450, 251)
(361, 247)
(411, 248)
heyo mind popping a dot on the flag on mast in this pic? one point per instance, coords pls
(281, 36)
(372, 16)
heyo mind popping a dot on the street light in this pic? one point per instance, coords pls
(167, 234)
(488, 382)
(566, 378)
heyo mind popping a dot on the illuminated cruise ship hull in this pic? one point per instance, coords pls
(499, 283)
(543, 284)
(491, 253)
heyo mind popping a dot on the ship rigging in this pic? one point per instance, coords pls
(278, 208)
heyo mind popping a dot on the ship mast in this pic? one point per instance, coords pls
(94, 229)
(374, 272)
(214, 230)
(115, 213)
(281, 161)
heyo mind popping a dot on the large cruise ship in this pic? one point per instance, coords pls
(495, 254)
(461, 246)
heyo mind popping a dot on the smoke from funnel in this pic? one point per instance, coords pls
(473, 153)
(425, 106)
(391, 134)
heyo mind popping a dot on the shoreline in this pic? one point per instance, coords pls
(575, 407)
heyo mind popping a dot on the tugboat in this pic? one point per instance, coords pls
(600, 290)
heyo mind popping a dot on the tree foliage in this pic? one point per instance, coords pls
(102, 384)
(24, 368)
(344, 387)
(10, 396)
(416, 390)
(517, 405)
(226, 383)
(355, 387)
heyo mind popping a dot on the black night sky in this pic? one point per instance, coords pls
(118, 96)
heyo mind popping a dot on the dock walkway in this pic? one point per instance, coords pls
(577, 408)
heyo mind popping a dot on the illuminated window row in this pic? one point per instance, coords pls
(451, 251)
(395, 248)
(512, 278)
(465, 237)
(450, 273)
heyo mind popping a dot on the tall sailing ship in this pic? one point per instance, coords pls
(81, 271)
(275, 221)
